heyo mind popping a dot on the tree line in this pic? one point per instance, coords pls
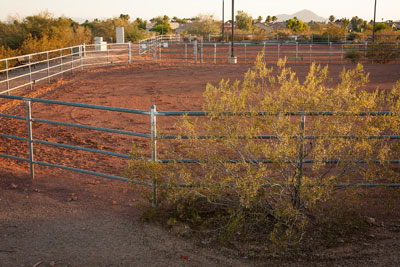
(43, 31)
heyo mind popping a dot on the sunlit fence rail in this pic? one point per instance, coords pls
(27, 70)
(154, 137)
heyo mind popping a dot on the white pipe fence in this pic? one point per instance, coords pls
(27, 70)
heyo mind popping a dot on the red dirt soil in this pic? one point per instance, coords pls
(74, 219)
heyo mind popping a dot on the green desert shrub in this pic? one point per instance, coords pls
(258, 177)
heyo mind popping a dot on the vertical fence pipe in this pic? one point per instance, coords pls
(264, 52)
(201, 52)
(310, 52)
(153, 122)
(72, 59)
(8, 82)
(61, 63)
(155, 51)
(81, 55)
(160, 50)
(30, 71)
(297, 51)
(129, 52)
(300, 166)
(195, 51)
(365, 51)
(48, 66)
(30, 143)
(215, 53)
(279, 51)
(185, 52)
(342, 53)
(330, 51)
(245, 53)
(397, 49)
(108, 54)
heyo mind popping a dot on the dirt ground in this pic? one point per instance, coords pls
(67, 219)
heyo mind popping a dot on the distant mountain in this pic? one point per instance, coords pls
(304, 15)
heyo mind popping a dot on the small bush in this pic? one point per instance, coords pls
(352, 54)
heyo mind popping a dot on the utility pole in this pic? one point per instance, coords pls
(232, 58)
(233, 28)
(373, 31)
(223, 20)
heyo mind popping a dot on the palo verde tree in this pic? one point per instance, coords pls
(244, 21)
(270, 148)
(204, 24)
(297, 25)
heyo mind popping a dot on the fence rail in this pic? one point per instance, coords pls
(27, 70)
(154, 137)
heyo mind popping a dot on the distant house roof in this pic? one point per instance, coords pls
(150, 25)
(228, 26)
(264, 26)
(174, 25)
(277, 25)
(183, 27)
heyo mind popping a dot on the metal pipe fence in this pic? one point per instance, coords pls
(28, 70)
(154, 137)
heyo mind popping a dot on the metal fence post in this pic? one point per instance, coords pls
(365, 51)
(195, 50)
(61, 63)
(155, 51)
(8, 82)
(72, 59)
(215, 53)
(279, 51)
(300, 163)
(397, 49)
(48, 65)
(245, 53)
(30, 143)
(81, 55)
(108, 54)
(30, 71)
(201, 52)
(342, 53)
(185, 52)
(330, 51)
(160, 50)
(297, 51)
(129, 52)
(310, 52)
(264, 52)
(153, 121)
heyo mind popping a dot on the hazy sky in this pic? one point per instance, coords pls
(387, 9)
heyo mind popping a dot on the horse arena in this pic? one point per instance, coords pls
(75, 219)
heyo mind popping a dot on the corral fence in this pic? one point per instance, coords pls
(154, 137)
(27, 70)
(283, 37)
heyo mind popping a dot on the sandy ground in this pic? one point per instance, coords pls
(73, 219)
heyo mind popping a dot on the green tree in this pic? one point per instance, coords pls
(331, 18)
(296, 25)
(259, 19)
(381, 26)
(205, 24)
(140, 23)
(162, 26)
(358, 24)
(274, 18)
(268, 19)
(244, 21)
